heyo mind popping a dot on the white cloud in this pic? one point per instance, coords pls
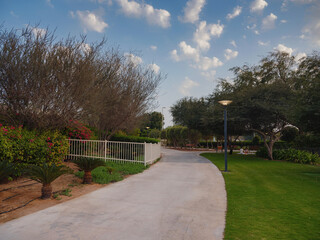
(229, 54)
(207, 63)
(312, 29)
(269, 21)
(39, 32)
(303, 1)
(302, 36)
(192, 11)
(90, 21)
(174, 55)
(261, 43)
(205, 32)
(233, 43)
(155, 68)
(85, 47)
(283, 48)
(13, 14)
(236, 12)
(283, 21)
(50, 3)
(154, 48)
(210, 75)
(153, 16)
(187, 52)
(134, 59)
(253, 29)
(258, 5)
(186, 86)
(300, 56)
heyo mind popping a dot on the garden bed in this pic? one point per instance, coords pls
(22, 196)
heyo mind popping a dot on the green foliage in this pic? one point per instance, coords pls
(66, 192)
(123, 138)
(103, 175)
(22, 147)
(291, 155)
(289, 134)
(88, 164)
(6, 170)
(164, 134)
(46, 173)
(307, 141)
(270, 199)
(298, 156)
(256, 140)
(152, 120)
(154, 133)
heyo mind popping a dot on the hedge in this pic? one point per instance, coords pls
(291, 155)
(123, 138)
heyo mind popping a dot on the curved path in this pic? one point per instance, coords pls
(181, 197)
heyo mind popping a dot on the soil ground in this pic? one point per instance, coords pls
(22, 196)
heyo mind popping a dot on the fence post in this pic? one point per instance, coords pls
(105, 150)
(145, 154)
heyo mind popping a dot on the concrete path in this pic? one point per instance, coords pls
(181, 197)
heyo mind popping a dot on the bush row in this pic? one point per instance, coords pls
(22, 147)
(291, 155)
(277, 145)
(123, 138)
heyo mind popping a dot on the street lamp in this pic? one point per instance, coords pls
(225, 103)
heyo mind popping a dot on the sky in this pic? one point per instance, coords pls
(194, 43)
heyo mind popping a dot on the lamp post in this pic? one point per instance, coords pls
(225, 103)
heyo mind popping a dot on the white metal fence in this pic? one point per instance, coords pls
(145, 153)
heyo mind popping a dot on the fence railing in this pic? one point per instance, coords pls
(145, 153)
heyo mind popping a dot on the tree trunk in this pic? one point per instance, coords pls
(87, 178)
(46, 191)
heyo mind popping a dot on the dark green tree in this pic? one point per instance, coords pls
(262, 97)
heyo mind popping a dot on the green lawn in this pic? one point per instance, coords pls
(270, 199)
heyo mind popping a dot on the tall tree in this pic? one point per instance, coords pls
(45, 82)
(307, 85)
(262, 96)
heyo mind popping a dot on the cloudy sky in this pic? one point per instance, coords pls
(194, 42)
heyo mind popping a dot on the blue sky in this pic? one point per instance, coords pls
(194, 42)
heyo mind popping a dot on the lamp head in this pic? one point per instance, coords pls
(225, 102)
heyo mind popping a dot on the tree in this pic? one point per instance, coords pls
(87, 165)
(153, 120)
(307, 85)
(262, 97)
(45, 82)
(46, 174)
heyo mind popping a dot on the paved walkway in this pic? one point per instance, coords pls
(181, 197)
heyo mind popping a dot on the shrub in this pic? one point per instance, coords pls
(6, 170)
(77, 130)
(123, 138)
(23, 147)
(291, 155)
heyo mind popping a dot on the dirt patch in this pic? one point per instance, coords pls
(22, 196)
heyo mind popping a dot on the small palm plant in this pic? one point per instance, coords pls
(46, 174)
(6, 170)
(87, 165)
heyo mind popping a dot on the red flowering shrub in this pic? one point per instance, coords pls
(78, 130)
(21, 147)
